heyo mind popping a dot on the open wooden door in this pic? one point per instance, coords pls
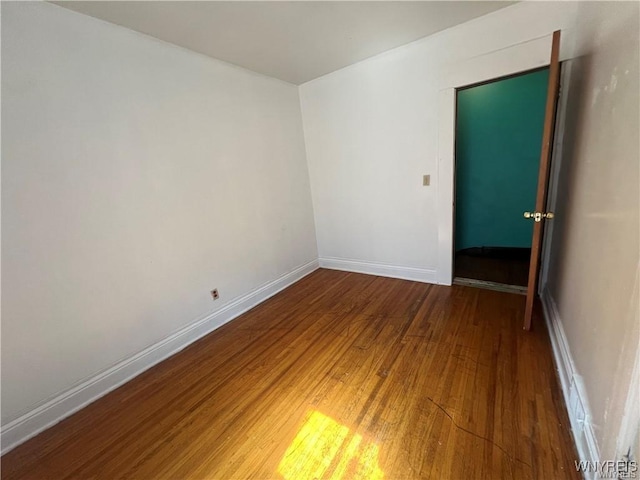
(539, 216)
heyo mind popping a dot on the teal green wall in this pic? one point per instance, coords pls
(498, 142)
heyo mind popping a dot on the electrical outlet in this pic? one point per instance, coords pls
(214, 294)
(426, 180)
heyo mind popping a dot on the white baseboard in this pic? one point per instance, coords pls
(575, 396)
(381, 269)
(74, 399)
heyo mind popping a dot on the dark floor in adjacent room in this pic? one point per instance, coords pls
(507, 266)
(342, 375)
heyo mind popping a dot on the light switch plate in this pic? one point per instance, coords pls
(426, 180)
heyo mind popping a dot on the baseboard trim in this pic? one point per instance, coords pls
(571, 382)
(65, 404)
(381, 269)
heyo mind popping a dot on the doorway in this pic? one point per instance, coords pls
(498, 138)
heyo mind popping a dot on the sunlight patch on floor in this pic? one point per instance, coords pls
(324, 448)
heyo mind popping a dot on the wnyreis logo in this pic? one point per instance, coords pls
(609, 469)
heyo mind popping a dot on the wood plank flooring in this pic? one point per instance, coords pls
(341, 375)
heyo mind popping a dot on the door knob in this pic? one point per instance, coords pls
(538, 216)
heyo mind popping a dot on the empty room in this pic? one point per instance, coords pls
(303, 240)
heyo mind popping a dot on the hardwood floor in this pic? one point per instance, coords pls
(342, 375)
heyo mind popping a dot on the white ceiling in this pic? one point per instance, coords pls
(293, 41)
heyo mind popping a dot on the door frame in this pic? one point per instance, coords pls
(509, 288)
(513, 60)
(554, 174)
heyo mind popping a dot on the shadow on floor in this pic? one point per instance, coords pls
(508, 266)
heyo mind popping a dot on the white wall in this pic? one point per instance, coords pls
(136, 176)
(595, 251)
(371, 132)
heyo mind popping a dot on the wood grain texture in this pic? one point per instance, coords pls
(548, 129)
(341, 375)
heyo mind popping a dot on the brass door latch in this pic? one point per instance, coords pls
(538, 216)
